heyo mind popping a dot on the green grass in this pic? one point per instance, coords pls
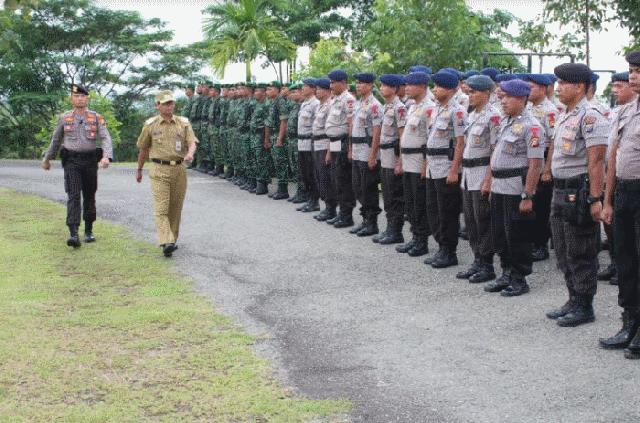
(109, 333)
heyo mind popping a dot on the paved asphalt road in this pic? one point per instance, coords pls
(342, 317)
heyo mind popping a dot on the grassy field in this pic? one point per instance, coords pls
(109, 333)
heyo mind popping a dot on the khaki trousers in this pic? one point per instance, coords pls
(168, 187)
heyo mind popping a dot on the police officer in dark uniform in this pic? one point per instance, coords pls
(623, 179)
(515, 170)
(76, 136)
(577, 166)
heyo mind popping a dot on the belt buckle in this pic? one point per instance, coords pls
(172, 162)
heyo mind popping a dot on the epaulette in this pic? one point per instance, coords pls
(150, 120)
(183, 119)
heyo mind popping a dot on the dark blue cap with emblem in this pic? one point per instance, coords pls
(453, 71)
(391, 80)
(421, 68)
(480, 83)
(366, 77)
(468, 74)
(445, 79)
(338, 75)
(573, 73)
(537, 78)
(309, 81)
(515, 88)
(417, 78)
(620, 76)
(323, 83)
(490, 72)
(551, 77)
(503, 77)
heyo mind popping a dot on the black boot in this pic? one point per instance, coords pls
(344, 221)
(168, 249)
(394, 234)
(429, 260)
(229, 173)
(376, 238)
(564, 310)
(632, 351)
(74, 239)
(472, 270)
(404, 248)
(517, 287)
(371, 228)
(420, 248)
(261, 188)
(608, 273)
(88, 232)
(447, 259)
(333, 220)
(359, 227)
(301, 196)
(295, 196)
(540, 253)
(283, 191)
(630, 323)
(581, 313)
(252, 186)
(311, 206)
(485, 274)
(499, 284)
(326, 214)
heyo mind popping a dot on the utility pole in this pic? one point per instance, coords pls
(586, 31)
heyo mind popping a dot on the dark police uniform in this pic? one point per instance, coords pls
(322, 171)
(306, 117)
(76, 137)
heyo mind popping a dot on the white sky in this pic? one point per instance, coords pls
(185, 19)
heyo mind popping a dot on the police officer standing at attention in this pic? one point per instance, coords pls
(515, 170)
(337, 127)
(480, 138)
(445, 146)
(577, 166)
(168, 140)
(364, 150)
(623, 178)
(393, 122)
(321, 153)
(75, 136)
(306, 116)
(412, 163)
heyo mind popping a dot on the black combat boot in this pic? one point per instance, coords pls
(310, 206)
(344, 221)
(420, 248)
(447, 259)
(472, 270)
(247, 184)
(333, 220)
(486, 273)
(517, 287)
(540, 253)
(301, 196)
(229, 173)
(581, 313)
(429, 260)
(607, 273)
(252, 186)
(74, 239)
(326, 214)
(261, 188)
(404, 248)
(168, 249)
(88, 232)
(295, 196)
(376, 238)
(565, 309)
(371, 228)
(632, 351)
(394, 234)
(282, 193)
(501, 283)
(359, 227)
(630, 324)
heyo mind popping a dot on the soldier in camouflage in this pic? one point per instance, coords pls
(275, 137)
(260, 152)
(246, 152)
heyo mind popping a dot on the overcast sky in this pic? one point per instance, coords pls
(185, 19)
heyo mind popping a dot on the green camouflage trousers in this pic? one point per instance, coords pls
(292, 155)
(213, 135)
(205, 145)
(248, 159)
(198, 155)
(262, 159)
(280, 160)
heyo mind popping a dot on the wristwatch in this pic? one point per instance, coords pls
(591, 200)
(526, 196)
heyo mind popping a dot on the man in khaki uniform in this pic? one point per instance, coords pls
(169, 141)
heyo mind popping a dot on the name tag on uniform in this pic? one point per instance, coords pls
(178, 145)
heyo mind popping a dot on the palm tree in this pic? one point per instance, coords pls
(242, 30)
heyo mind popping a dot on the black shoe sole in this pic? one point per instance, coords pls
(573, 324)
(73, 244)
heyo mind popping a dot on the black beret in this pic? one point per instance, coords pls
(633, 58)
(79, 89)
(573, 73)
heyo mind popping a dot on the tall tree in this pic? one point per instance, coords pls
(243, 30)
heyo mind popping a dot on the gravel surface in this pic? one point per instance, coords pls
(340, 316)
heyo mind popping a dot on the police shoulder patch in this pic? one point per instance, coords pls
(183, 119)
(150, 120)
(590, 120)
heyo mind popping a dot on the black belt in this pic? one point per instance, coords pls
(167, 162)
(480, 161)
(360, 140)
(569, 183)
(418, 150)
(305, 137)
(390, 145)
(319, 137)
(340, 138)
(437, 151)
(509, 173)
(628, 184)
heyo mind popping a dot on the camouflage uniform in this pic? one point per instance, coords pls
(195, 113)
(260, 155)
(203, 136)
(214, 141)
(247, 161)
(278, 111)
(292, 141)
(222, 150)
